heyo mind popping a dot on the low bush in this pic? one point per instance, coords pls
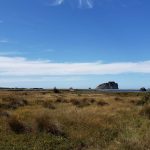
(80, 102)
(55, 90)
(46, 124)
(92, 100)
(18, 126)
(102, 103)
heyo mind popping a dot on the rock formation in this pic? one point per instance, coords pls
(109, 85)
(143, 89)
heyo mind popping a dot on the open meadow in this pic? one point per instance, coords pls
(74, 120)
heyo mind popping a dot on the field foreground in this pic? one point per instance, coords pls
(74, 120)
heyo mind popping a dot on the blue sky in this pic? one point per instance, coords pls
(78, 43)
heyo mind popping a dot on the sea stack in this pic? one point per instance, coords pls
(109, 85)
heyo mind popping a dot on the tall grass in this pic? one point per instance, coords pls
(91, 121)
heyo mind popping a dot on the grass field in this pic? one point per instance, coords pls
(74, 120)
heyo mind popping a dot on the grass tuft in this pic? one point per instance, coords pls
(17, 126)
(145, 111)
(13, 102)
(118, 99)
(49, 105)
(80, 102)
(145, 99)
(61, 100)
(46, 124)
(102, 103)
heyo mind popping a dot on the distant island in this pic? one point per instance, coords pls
(109, 85)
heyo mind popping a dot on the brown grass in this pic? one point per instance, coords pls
(61, 100)
(13, 102)
(46, 124)
(102, 103)
(145, 111)
(91, 121)
(49, 105)
(80, 102)
(144, 100)
(118, 99)
(17, 125)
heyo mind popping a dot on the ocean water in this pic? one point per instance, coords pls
(120, 90)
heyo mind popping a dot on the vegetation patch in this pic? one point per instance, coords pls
(80, 102)
(118, 99)
(18, 126)
(145, 111)
(61, 100)
(55, 90)
(13, 102)
(4, 113)
(102, 103)
(145, 99)
(49, 105)
(46, 124)
(41, 126)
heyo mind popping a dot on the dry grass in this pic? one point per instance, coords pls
(49, 105)
(118, 99)
(80, 102)
(144, 100)
(13, 102)
(4, 113)
(46, 124)
(145, 111)
(61, 100)
(74, 120)
(102, 103)
(17, 125)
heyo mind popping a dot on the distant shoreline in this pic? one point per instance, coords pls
(91, 90)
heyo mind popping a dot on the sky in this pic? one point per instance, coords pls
(74, 43)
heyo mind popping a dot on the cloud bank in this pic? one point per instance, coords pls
(20, 66)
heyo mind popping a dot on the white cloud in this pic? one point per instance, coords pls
(86, 3)
(55, 2)
(20, 66)
(81, 3)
